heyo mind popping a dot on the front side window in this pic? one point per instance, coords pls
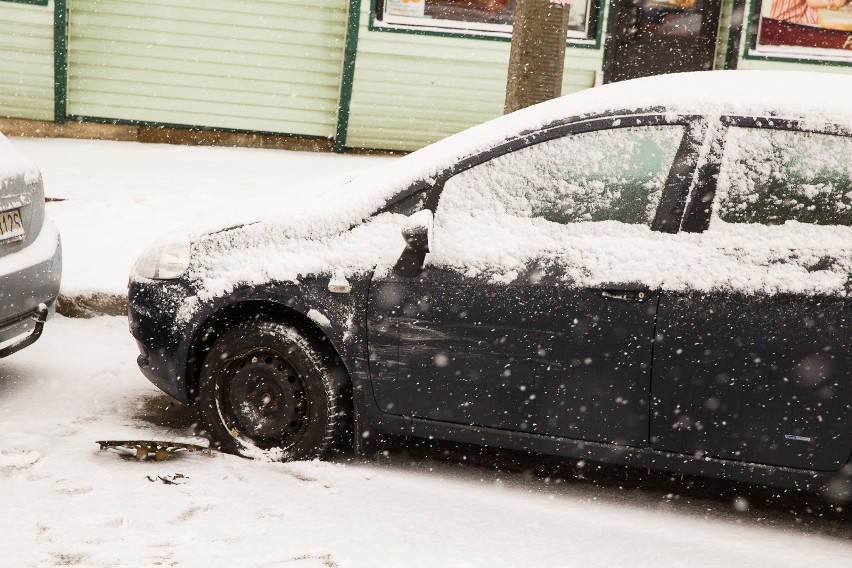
(606, 175)
(578, 208)
(774, 176)
(476, 16)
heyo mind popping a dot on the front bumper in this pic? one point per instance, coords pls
(29, 278)
(152, 308)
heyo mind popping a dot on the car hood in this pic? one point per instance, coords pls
(290, 248)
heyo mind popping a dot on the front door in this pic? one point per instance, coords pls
(536, 308)
(532, 355)
(652, 37)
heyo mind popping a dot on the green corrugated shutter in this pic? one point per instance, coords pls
(26, 61)
(411, 90)
(270, 66)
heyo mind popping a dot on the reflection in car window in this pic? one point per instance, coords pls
(774, 176)
(606, 175)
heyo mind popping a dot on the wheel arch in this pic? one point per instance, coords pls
(214, 325)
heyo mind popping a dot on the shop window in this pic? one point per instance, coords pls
(815, 29)
(475, 17)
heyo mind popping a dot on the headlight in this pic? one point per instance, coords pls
(166, 259)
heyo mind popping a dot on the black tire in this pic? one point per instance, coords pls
(267, 392)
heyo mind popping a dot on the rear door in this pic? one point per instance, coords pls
(536, 308)
(753, 359)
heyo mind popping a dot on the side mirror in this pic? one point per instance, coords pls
(417, 233)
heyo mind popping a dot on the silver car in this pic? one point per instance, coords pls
(30, 253)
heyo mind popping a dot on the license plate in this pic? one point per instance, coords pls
(10, 224)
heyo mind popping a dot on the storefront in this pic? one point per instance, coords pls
(425, 69)
(385, 74)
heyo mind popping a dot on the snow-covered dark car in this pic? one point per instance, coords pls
(652, 273)
(30, 253)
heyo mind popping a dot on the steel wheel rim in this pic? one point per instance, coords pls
(264, 398)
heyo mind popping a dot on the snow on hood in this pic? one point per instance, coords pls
(263, 252)
(15, 164)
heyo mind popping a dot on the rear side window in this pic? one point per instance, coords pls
(605, 175)
(774, 176)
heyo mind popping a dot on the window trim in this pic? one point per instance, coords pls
(591, 39)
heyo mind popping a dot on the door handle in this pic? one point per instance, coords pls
(625, 295)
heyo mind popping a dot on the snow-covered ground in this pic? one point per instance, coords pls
(118, 197)
(65, 502)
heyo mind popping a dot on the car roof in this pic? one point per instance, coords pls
(819, 97)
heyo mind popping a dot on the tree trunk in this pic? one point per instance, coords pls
(538, 53)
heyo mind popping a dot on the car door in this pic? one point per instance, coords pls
(535, 310)
(753, 352)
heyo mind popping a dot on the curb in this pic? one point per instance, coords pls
(91, 305)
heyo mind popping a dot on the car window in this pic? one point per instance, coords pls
(774, 176)
(605, 175)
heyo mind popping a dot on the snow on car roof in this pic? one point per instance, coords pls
(814, 97)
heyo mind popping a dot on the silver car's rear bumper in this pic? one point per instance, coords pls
(28, 278)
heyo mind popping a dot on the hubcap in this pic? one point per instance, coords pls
(265, 398)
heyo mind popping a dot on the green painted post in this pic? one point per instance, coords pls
(60, 61)
(349, 52)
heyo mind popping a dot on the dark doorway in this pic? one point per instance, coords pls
(652, 37)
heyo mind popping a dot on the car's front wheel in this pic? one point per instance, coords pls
(266, 391)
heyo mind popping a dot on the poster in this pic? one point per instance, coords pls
(822, 24)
